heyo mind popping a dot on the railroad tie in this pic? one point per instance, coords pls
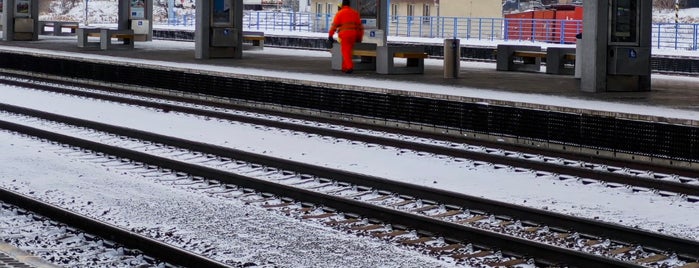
(367, 227)
(654, 258)
(380, 198)
(509, 263)
(479, 254)
(417, 241)
(391, 234)
(284, 204)
(425, 208)
(403, 203)
(447, 214)
(472, 219)
(319, 216)
(347, 221)
(446, 248)
(621, 250)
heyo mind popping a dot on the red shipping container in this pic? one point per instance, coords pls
(519, 25)
(543, 25)
(565, 26)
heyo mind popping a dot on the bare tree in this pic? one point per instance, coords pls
(667, 4)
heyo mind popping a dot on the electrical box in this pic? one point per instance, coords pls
(374, 36)
(140, 26)
(224, 37)
(628, 60)
(24, 25)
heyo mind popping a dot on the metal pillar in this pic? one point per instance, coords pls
(616, 43)
(218, 29)
(20, 20)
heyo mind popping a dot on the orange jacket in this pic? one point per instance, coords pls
(347, 19)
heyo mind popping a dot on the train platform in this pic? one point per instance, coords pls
(12, 257)
(476, 79)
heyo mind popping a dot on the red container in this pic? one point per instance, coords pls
(549, 25)
(544, 25)
(519, 25)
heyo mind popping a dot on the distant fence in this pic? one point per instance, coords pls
(681, 36)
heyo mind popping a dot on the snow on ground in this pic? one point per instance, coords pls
(247, 234)
(647, 211)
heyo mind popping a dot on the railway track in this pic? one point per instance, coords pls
(470, 226)
(69, 239)
(641, 177)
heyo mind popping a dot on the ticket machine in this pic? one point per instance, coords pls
(617, 35)
(19, 20)
(219, 32)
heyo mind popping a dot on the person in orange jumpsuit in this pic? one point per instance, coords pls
(350, 30)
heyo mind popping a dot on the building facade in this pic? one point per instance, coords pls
(427, 8)
(426, 18)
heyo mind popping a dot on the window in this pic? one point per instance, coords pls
(319, 8)
(426, 13)
(394, 13)
(331, 9)
(410, 12)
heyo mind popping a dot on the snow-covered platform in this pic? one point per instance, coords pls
(671, 96)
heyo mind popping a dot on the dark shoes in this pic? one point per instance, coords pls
(348, 71)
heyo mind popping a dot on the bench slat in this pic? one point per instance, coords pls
(411, 55)
(365, 53)
(530, 54)
(256, 38)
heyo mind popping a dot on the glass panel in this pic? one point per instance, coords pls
(624, 22)
(222, 13)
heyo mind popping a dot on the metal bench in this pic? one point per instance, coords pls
(559, 60)
(519, 58)
(256, 40)
(371, 54)
(105, 38)
(57, 27)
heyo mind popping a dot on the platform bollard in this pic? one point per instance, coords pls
(452, 58)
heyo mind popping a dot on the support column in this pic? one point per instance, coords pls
(594, 46)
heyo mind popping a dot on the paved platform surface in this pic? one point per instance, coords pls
(679, 92)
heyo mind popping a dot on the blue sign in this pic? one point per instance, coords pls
(140, 23)
(225, 31)
(632, 53)
(372, 34)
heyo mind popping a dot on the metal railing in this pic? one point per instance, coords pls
(683, 36)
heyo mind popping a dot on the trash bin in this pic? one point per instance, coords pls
(452, 58)
(578, 56)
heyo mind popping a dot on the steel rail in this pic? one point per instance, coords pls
(549, 253)
(613, 231)
(661, 185)
(147, 245)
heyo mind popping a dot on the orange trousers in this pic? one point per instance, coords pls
(348, 38)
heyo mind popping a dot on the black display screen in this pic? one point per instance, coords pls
(624, 21)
